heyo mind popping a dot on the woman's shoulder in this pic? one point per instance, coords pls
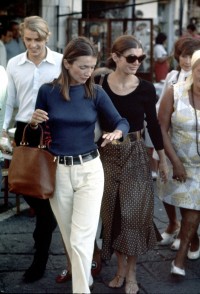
(49, 87)
(146, 90)
(100, 92)
(172, 77)
(144, 84)
(172, 73)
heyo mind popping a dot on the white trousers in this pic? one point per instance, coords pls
(76, 205)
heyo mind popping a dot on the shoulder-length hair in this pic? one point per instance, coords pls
(80, 46)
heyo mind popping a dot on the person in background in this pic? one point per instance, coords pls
(3, 91)
(26, 73)
(16, 45)
(183, 50)
(191, 32)
(161, 58)
(128, 200)
(179, 113)
(5, 37)
(70, 117)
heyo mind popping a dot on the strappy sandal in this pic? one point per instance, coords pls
(167, 238)
(117, 282)
(131, 287)
(176, 244)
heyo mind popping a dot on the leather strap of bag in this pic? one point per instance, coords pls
(24, 140)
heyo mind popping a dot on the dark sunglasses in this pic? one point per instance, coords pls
(133, 58)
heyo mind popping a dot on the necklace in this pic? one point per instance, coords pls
(196, 119)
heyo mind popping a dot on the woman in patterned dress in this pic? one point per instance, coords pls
(183, 50)
(128, 200)
(179, 113)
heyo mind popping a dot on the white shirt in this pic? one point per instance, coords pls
(159, 51)
(3, 54)
(24, 81)
(3, 89)
(172, 77)
(3, 85)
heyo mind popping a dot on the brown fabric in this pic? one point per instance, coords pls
(32, 171)
(128, 200)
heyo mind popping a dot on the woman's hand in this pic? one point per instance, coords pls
(162, 165)
(109, 137)
(179, 173)
(39, 116)
(163, 170)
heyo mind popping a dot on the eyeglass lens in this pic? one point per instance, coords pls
(133, 58)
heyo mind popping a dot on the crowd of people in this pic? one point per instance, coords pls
(109, 178)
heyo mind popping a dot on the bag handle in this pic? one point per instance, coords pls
(24, 139)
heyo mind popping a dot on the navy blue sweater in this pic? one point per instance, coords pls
(71, 123)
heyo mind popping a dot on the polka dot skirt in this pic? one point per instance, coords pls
(128, 200)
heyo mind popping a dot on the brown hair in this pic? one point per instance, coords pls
(80, 46)
(120, 45)
(185, 46)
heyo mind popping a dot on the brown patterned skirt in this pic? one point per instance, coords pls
(128, 200)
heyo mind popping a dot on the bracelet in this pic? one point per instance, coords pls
(34, 127)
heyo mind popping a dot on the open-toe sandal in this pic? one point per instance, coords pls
(167, 238)
(117, 282)
(131, 287)
(176, 244)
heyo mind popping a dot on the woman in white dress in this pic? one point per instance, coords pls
(183, 50)
(179, 115)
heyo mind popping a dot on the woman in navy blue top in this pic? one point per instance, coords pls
(70, 106)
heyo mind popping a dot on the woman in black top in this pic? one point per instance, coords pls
(128, 201)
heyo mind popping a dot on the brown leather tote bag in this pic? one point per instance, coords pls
(32, 170)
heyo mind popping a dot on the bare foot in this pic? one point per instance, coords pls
(131, 287)
(117, 282)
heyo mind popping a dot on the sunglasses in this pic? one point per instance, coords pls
(133, 58)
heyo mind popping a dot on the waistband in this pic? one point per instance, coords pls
(74, 160)
(131, 137)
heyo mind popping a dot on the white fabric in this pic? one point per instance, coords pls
(3, 54)
(3, 91)
(159, 51)
(183, 139)
(76, 205)
(3, 85)
(97, 132)
(172, 78)
(24, 80)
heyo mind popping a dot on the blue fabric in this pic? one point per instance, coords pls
(72, 122)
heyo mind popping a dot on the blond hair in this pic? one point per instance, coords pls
(35, 24)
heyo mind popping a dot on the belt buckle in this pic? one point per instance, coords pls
(71, 158)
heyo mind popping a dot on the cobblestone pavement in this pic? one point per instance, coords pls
(16, 253)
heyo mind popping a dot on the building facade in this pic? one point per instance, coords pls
(103, 20)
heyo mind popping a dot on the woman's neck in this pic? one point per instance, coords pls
(122, 84)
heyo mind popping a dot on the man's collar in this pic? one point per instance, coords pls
(49, 57)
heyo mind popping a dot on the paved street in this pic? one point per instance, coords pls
(16, 253)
